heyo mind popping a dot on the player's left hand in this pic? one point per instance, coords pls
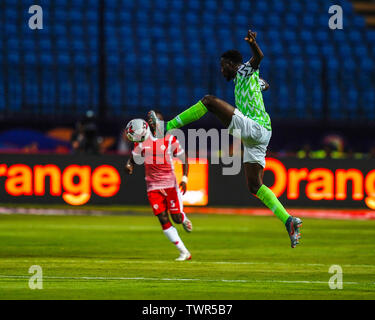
(129, 168)
(183, 187)
(251, 37)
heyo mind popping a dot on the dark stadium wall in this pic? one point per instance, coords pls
(307, 183)
(69, 179)
(80, 180)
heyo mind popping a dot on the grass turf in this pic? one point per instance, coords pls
(236, 257)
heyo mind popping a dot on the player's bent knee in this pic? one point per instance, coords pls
(177, 218)
(163, 218)
(208, 101)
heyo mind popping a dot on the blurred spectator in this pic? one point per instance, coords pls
(327, 152)
(85, 138)
(371, 155)
(305, 152)
(77, 137)
(351, 154)
(31, 148)
(123, 147)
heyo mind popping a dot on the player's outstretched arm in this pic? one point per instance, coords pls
(256, 51)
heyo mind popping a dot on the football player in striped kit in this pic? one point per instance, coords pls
(163, 192)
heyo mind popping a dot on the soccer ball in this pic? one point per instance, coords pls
(137, 130)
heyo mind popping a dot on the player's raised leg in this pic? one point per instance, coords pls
(223, 111)
(254, 176)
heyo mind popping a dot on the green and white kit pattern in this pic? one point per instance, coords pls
(248, 95)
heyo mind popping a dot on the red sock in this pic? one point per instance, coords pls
(166, 226)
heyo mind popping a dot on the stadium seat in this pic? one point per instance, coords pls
(156, 51)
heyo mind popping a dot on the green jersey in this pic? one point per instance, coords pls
(248, 95)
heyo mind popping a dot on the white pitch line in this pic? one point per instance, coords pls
(207, 262)
(177, 279)
(245, 263)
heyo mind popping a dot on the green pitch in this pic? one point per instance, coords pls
(234, 257)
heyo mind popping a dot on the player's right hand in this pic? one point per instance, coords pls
(251, 37)
(129, 168)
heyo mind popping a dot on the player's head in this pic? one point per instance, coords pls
(230, 61)
(159, 115)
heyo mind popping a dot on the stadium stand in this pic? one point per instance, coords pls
(165, 54)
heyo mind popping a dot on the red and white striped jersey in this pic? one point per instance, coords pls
(158, 159)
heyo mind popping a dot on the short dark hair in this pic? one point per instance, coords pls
(233, 55)
(157, 111)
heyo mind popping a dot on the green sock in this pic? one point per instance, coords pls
(190, 115)
(269, 199)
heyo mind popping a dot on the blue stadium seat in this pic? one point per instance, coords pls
(11, 14)
(367, 64)
(291, 20)
(75, 16)
(295, 6)
(273, 20)
(63, 59)
(209, 5)
(77, 31)
(242, 21)
(65, 92)
(361, 51)
(177, 47)
(45, 59)
(48, 93)
(80, 59)
(161, 5)
(162, 60)
(309, 21)
(183, 95)
(355, 37)
(312, 50)
(184, 39)
(14, 57)
(328, 50)
(60, 30)
(294, 50)
(161, 47)
(192, 19)
(322, 37)
(148, 94)
(113, 60)
(45, 45)
(229, 6)
(245, 7)
(92, 15)
(358, 22)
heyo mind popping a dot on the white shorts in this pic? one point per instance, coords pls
(255, 138)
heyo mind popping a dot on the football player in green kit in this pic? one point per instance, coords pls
(250, 117)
